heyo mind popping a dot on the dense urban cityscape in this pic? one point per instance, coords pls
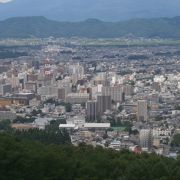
(118, 97)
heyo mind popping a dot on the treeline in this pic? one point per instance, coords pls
(27, 160)
(43, 136)
(20, 119)
(51, 135)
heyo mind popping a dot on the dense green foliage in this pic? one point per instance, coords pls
(176, 140)
(5, 125)
(24, 160)
(41, 27)
(47, 136)
(20, 119)
(51, 135)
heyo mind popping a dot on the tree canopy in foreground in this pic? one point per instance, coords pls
(27, 160)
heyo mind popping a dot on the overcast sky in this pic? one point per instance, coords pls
(76, 10)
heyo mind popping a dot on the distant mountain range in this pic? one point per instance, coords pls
(79, 10)
(25, 27)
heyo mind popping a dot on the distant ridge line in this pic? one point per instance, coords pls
(41, 27)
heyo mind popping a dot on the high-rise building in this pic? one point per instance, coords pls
(145, 137)
(62, 94)
(128, 90)
(116, 93)
(142, 112)
(77, 98)
(76, 72)
(101, 78)
(48, 91)
(91, 111)
(48, 73)
(14, 81)
(103, 104)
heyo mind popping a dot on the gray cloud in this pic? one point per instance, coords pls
(5, 1)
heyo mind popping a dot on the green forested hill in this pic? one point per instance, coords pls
(27, 160)
(23, 27)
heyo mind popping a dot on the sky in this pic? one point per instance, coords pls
(77, 10)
